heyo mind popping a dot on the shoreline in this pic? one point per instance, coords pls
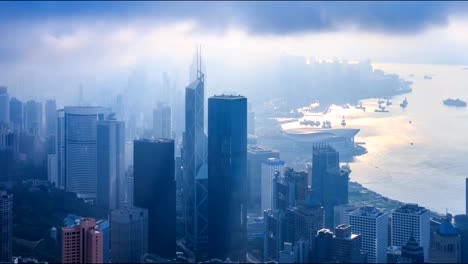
(362, 196)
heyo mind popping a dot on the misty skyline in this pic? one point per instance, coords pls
(49, 46)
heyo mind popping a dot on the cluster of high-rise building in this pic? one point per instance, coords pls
(231, 192)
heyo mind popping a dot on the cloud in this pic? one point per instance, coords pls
(395, 17)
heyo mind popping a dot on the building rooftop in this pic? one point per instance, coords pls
(273, 162)
(367, 211)
(228, 96)
(447, 229)
(411, 209)
(84, 110)
(154, 140)
(253, 149)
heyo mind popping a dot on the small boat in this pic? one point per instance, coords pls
(388, 102)
(455, 102)
(381, 101)
(404, 103)
(343, 122)
(361, 107)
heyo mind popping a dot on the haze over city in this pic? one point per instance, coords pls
(250, 131)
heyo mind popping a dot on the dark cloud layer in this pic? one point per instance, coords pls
(257, 17)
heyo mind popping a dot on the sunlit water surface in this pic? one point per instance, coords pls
(418, 154)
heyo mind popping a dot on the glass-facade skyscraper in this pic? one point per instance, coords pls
(80, 139)
(329, 181)
(227, 172)
(111, 163)
(154, 183)
(195, 168)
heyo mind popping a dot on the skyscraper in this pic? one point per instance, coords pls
(227, 171)
(51, 117)
(155, 190)
(51, 125)
(33, 117)
(273, 237)
(195, 167)
(129, 237)
(308, 220)
(411, 221)
(111, 163)
(8, 149)
(83, 243)
(289, 189)
(16, 114)
(323, 249)
(4, 105)
(372, 224)
(347, 246)
(446, 244)
(162, 121)
(269, 167)
(80, 138)
(329, 181)
(461, 223)
(6, 227)
(257, 154)
(60, 149)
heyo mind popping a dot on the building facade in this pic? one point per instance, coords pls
(227, 172)
(372, 224)
(329, 181)
(154, 189)
(4, 105)
(111, 164)
(6, 227)
(269, 168)
(80, 150)
(82, 243)
(446, 244)
(195, 167)
(347, 246)
(129, 235)
(256, 155)
(408, 221)
(162, 121)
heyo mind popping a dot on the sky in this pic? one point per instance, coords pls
(45, 43)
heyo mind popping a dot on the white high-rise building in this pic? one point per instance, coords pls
(408, 221)
(80, 147)
(111, 163)
(269, 168)
(4, 105)
(162, 122)
(372, 224)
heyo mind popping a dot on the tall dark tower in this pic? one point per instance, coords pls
(466, 196)
(195, 165)
(154, 189)
(329, 181)
(227, 172)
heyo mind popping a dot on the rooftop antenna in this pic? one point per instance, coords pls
(200, 74)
